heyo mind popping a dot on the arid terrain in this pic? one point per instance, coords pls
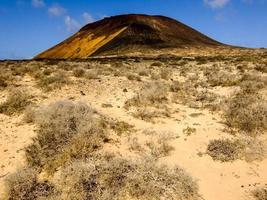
(157, 127)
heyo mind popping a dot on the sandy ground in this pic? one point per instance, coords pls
(217, 180)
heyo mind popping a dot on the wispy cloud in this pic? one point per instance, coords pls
(38, 3)
(56, 10)
(216, 3)
(71, 24)
(88, 18)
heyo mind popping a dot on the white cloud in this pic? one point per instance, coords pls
(38, 3)
(216, 3)
(88, 18)
(72, 24)
(56, 10)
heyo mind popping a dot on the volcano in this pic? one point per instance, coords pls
(122, 34)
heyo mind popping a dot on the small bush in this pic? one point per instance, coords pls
(160, 149)
(156, 64)
(24, 185)
(16, 102)
(143, 72)
(247, 113)
(66, 131)
(222, 78)
(53, 81)
(155, 76)
(151, 94)
(260, 193)
(122, 179)
(225, 150)
(5, 78)
(189, 131)
(148, 114)
(78, 72)
(3, 83)
(261, 68)
(165, 74)
(133, 77)
(93, 74)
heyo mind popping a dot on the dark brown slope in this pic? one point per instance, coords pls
(128, 33)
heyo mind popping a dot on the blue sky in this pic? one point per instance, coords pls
(27, 27)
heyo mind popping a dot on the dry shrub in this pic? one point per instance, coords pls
(260, 193)
(156, 64)
(121, 127)
(247, 113)
(143, 72)
(155, 76)
(255, 149)
(252, 82)
(3, 82)
(186, 93)
(225, 150)
(148, 114)
(16, 102)
(189, 131)
(248, 149)
(66, 131)
(222, 78)
(53, 81)
(159, 149)
(123, 179)
(133, 77)
(165, 73)
(92, 74)
(24, 185)
(79, 72)
(151, 94)
(261, 68)
(5, 78)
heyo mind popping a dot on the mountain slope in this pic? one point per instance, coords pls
(127, 33)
